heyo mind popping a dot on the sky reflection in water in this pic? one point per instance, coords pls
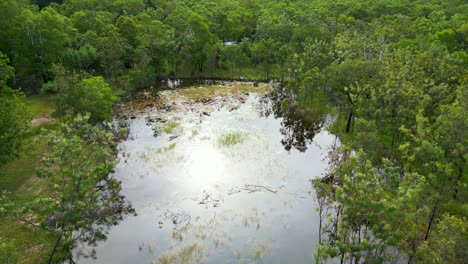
(200, 200)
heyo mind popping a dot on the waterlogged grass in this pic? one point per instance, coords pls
(165, 149)
(230, 139)
(260, 249)
(195, 133)
(187, 255)
(171, 127)
(212, 91)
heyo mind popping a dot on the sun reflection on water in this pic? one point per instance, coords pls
(206, 165)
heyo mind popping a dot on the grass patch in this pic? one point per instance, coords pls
(194, 93)
(170, 127)
(40, 105)
(231, 139)
(14, 173)
(24, 244)
(20, 243)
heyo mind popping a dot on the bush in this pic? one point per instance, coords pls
(49, 88)
(90, 95)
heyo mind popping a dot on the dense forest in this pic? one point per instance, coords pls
(392, 73)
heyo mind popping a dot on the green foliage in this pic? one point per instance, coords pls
(6, 71)
(450, 243)
(82, 198)
(8, 254)
(81, 59)
(15, 119)
(90, 95)
(234, 59)
(264, 54)
(394, 72)
(447, 37)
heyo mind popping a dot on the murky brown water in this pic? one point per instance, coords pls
(216, 185)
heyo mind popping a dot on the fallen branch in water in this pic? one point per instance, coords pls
(248, 187)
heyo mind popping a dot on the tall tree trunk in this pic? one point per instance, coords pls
(350, 119)
(431, 220)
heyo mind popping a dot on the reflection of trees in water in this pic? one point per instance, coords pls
(299, 125)
(108, 212)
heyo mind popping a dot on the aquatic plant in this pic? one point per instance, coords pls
(186, 255)
(231, 139)
(170, 127)
(162, 150)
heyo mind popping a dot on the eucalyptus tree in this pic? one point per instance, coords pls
(234, 59)
(43, 37)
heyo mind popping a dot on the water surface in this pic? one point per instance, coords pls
(208, 173)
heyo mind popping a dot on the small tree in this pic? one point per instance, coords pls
(14, 115)
(264, 54)
(83, 200)
(95, 97)
(90, 95)
(6, 71)
(234, 59)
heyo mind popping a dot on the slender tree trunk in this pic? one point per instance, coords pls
(433, 213)
(55, 248)
(460, 175)
(320, 224)
(348, 124)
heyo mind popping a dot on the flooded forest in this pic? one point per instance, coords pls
(233, 131)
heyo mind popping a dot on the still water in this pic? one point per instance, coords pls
(216, 175)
